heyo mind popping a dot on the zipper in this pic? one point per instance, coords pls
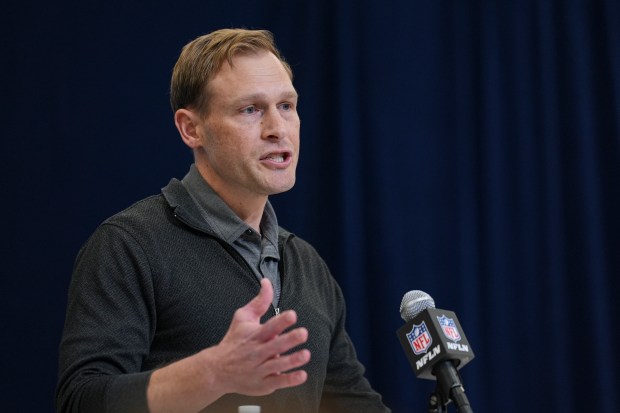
(243, 262)
(281, 271)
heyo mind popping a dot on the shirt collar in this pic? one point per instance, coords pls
(224, 222)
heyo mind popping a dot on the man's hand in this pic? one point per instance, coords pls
(251, 359)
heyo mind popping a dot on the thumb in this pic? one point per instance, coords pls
(259, 304)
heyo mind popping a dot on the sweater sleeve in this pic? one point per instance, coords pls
(108, 328)
(346, 389)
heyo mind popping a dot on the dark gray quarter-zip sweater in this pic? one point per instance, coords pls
(154, 284)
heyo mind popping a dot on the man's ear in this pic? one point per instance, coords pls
(187, 123)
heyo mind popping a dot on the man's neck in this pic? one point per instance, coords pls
(250, 213)
(247, 206)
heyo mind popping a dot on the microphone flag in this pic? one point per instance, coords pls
(432, 336)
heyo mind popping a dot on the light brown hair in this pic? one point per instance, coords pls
(203, 57)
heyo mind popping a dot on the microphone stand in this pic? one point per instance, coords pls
(435, 404)
(449, 388)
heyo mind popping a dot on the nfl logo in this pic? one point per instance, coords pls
(419, 338)
(449, 328)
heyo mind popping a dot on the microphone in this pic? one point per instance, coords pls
(436, 348)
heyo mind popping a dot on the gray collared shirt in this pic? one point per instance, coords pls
(260, 251)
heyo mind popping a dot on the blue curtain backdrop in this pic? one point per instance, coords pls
(470, 149)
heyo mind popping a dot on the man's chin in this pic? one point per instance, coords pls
(280, 188)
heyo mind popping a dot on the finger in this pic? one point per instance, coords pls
(279, 345)
(278, 365)
(285, 342)
(258, 305)
(276, 325)
(280, 381)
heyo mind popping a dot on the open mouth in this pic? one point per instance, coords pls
(279, 157)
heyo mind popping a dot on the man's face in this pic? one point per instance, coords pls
(250, 134)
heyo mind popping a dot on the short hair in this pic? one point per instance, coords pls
(202, 58)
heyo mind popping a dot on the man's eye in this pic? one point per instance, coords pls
(286, 106)
(249, 110)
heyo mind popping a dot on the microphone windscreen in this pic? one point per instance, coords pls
(413, 303)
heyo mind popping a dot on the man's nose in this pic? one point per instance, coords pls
(274, 124)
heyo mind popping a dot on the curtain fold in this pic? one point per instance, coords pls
(479, 162)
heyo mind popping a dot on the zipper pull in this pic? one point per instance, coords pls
(277, 310)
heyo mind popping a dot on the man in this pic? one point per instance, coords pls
(194, 299)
